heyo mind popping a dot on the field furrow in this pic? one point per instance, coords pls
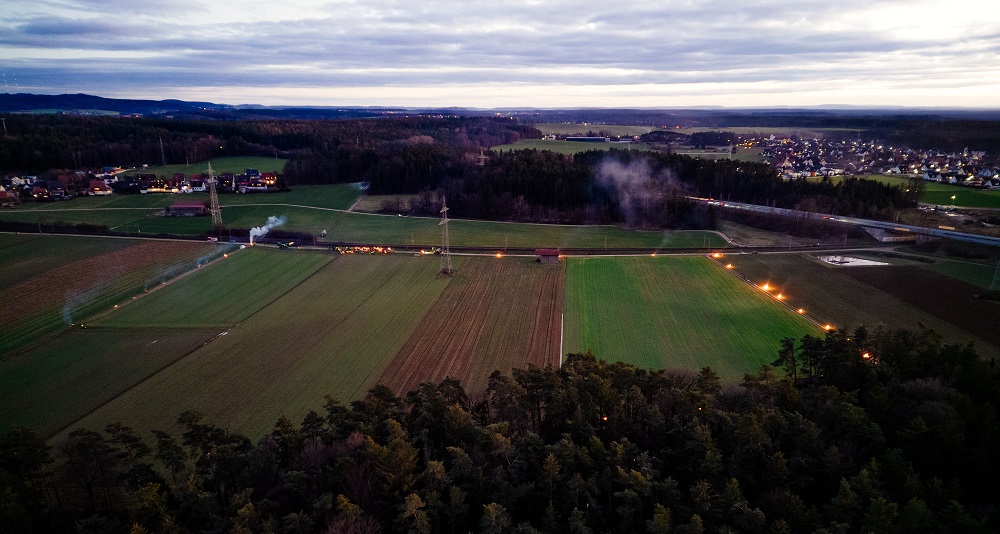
(496, 314)
(333, 333)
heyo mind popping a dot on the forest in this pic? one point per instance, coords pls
(419, 155)
(869, 430)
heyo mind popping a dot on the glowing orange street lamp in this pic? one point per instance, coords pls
(827, 327)
(866, 356)
(766, 287)
(499, 255)
(780, 296)
(729, 266)
(717, 255)
(801, 310)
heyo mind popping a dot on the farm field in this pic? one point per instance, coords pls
(85, 284)
(317, 208)
(615, 129)
(495, 314)
(569, 128)
(339, 196)
(357, 227)
(228, 292)
(334, 333)
(28, 255)
(567, 147)
(675, 313)
(60, 381)
(943, 297)
(234, 164)
(971, 273)
(740, 155)
(940, 194)
(832, 294)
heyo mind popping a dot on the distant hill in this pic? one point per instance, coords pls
(83, 104)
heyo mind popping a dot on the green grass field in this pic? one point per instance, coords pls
(314, 209)
(233, 164)
(615, 129)
(357, 227)
(973, 273)
(85, 284)
(220, 295)
(673, 312)
(569, 128)
(940, 194)
(61, 381)
(567, 147)
(332, 334)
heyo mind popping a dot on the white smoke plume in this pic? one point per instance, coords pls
(261, 231)
(638, 190)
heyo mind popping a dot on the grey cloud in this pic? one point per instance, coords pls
(400, 43)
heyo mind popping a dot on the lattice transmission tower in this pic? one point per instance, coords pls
(213, 196)
(445, 250)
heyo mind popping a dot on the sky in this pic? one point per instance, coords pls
(509, 54)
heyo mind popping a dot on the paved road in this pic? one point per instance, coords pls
(896, 227)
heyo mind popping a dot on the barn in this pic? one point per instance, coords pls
(187, 209)
(547, 255)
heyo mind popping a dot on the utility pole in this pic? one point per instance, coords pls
(445, 250)
(163, 155)
(213, 196)
(4, 121)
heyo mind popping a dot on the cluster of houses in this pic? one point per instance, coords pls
(802, 158)
(109, 180)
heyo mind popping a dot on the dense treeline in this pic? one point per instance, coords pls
(411, 155)
(639, 189)
(36, 143)
(946, 135)
(706, 139)
(871, 431)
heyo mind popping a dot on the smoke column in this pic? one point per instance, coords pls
(261, 231)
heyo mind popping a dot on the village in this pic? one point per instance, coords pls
(804, 158)
(792, 158)
(113, 180)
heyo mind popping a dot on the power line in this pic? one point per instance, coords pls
(213, 196)
(445, 250)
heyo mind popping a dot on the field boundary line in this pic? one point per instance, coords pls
(740, 276)
(133, 386)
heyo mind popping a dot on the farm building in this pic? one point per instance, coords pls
(547, 255)
(187, 209)
(98, 187)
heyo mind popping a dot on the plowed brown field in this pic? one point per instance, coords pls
(496, 314)
(52, 287)
(943, 297)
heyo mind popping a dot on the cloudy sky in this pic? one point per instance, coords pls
(501, 53)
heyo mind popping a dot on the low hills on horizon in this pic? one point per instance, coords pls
(835, 115)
